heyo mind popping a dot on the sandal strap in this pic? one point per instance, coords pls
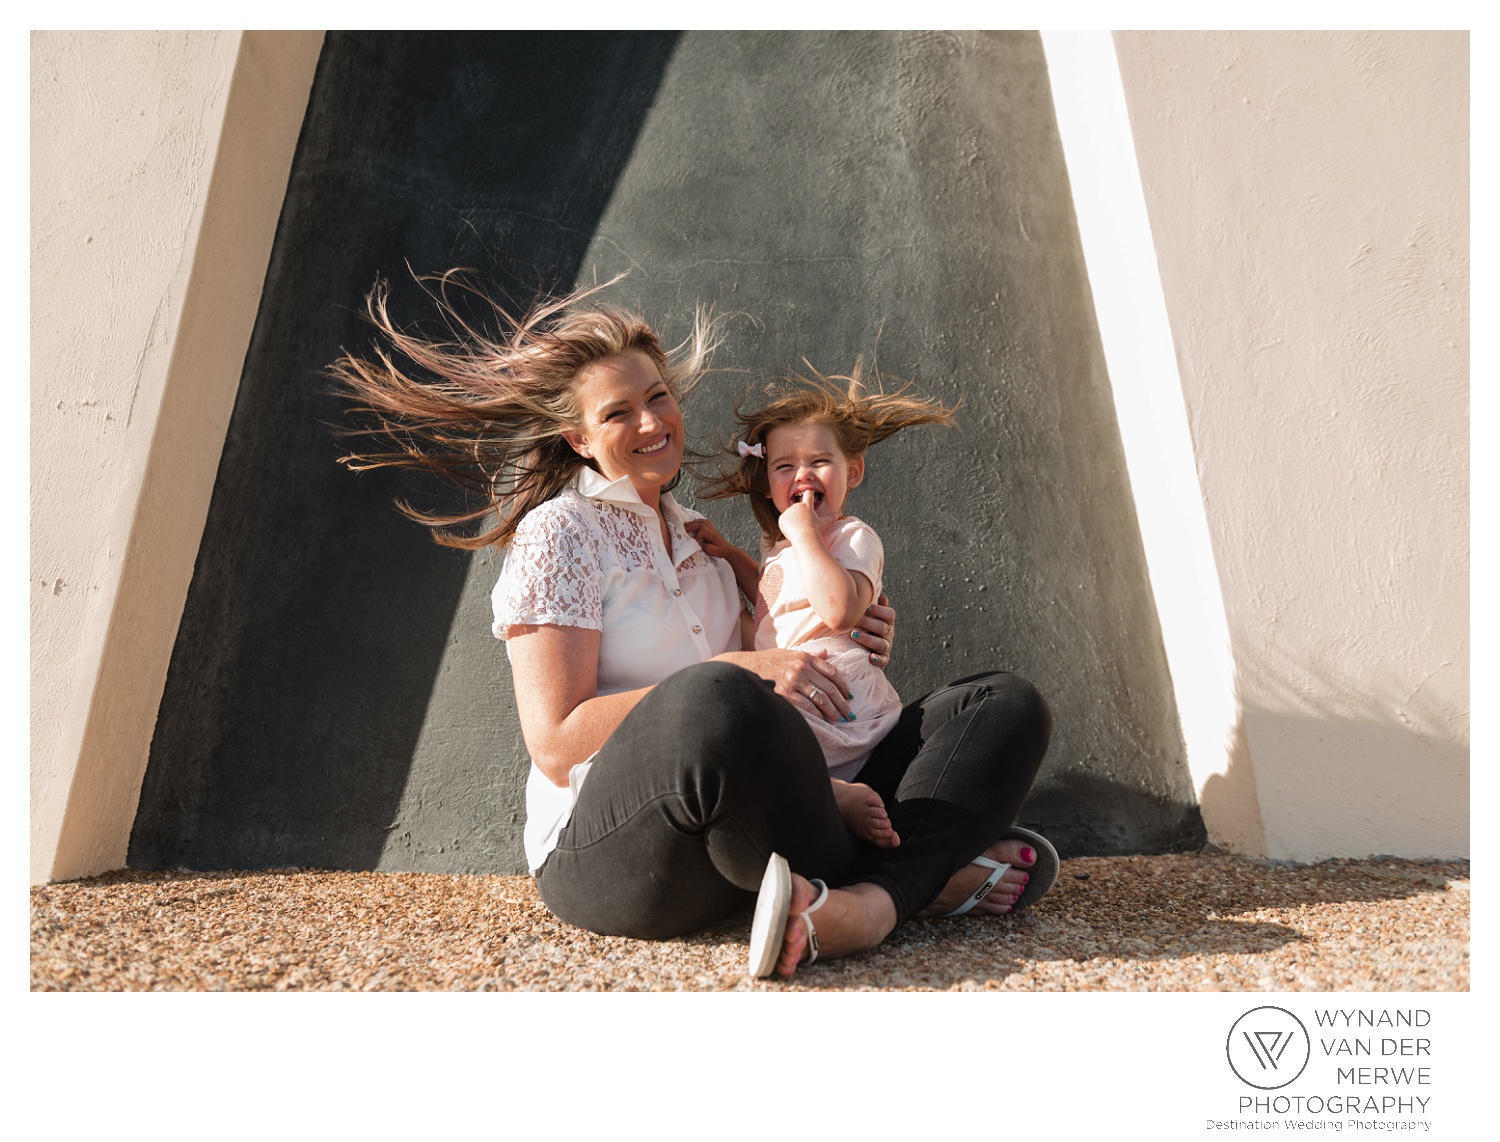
(984, 889)
(812, 933)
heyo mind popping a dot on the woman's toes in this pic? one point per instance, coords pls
(791, 951)
(997, 903)
(795, 941)
(1012, 851)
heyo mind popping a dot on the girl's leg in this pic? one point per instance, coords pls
(702, 781)
(954, 774)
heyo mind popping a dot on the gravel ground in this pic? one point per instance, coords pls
(1190, 922)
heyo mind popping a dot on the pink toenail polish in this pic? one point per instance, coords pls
(1028, 854)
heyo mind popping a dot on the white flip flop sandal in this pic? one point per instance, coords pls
(769, 925)
(806, 917)
(1043, 873)
(984, 889)
(768, 929)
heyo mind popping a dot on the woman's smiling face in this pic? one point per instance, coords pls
(629, 422)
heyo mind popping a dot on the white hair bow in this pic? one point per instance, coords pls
(751, 449)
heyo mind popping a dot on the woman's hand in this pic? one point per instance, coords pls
(811, 683)
(806, 680)
(877, 630)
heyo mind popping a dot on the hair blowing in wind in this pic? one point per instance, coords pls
(483, 402)
(859, 417)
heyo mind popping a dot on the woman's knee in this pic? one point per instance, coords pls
(1023, 704)
(1007, 696)
(714, 702)
(723, 718)
(714, 683)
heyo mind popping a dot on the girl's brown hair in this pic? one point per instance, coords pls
(858, 417)
(487, 410)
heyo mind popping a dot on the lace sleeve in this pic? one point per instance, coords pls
(551, 573)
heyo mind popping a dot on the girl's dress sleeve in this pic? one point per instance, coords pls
(552, 572)
(856, 547)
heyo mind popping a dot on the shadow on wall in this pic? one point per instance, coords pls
(1064, 811)
(318, 618)
(1230, 801)
(1337, 786)
(1323, 765)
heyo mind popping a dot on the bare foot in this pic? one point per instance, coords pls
(864, 812)
(850, 920)
(1000, 899)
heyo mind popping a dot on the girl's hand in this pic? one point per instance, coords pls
(799, 520)
(807, 681)
(709, 539)
(877, 630)
(746, 571)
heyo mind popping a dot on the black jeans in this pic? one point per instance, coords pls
(713, 771)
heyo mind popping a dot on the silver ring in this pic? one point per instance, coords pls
(814, 694)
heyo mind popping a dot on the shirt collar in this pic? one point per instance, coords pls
(596, 487)
(622, 492)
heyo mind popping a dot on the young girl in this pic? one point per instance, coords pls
(799, 458)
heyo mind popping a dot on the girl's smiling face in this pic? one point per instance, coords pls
(804, 462)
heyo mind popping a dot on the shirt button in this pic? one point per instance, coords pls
(678, 591)
(697, 630)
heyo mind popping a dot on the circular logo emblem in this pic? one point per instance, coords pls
(1268, 1047)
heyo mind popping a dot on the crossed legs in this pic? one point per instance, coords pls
(712, 772)
(702, 781)
(954, 774)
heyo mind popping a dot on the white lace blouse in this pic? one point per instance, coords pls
(592, 557)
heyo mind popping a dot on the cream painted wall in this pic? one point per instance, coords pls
(1308, 195)
(159, 162)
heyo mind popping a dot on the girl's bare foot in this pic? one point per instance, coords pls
(1000, 899)
(850, 920)
(864, 813)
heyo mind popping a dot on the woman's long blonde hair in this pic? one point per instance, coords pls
(487, 409)
(859, 418)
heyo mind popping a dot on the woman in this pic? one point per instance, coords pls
(670, 771)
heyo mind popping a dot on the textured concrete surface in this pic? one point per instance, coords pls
(1190, 922)
(335, 699)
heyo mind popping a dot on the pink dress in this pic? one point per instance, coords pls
(784, 618)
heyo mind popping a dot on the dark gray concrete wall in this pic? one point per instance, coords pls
(336, 698)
